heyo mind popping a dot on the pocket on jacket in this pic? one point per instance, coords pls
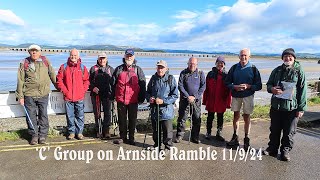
(168, 112)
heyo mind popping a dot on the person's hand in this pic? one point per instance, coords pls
(238, 87)
(95, 90)
(159, 101)
(245, 86)
(151, 100)
(276, 90)
(191, 99)
(21, 102)
(299, 114)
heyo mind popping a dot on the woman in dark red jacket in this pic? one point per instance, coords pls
(216, 97)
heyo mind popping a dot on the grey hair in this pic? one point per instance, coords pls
(245, 49)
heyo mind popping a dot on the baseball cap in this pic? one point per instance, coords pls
(129, 51)
(162, 63)
(34, 46)
(102, 55)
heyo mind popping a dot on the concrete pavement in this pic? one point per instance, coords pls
(18, 161)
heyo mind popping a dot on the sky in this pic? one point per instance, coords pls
(203, 25)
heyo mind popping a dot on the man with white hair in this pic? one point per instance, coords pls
(33, 88)
(73, 83)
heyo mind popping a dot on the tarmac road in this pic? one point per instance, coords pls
(21, 161)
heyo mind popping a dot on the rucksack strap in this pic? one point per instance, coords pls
(28, 59)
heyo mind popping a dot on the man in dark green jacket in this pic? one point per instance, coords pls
(287, 83)
(35, 74)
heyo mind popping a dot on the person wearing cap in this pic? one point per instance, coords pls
(162, 92)
(216, 97)
(287, 84)
(100, 77)
(33, 87)
(192, 83)
(128, 89)
(73, 83)
(243, 80)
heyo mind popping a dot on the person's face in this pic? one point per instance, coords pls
(219, 65)
(34, 54)
(161, 70)
(129, 59)
(288, 59)
(74, 56)
(192, 64)
(103, 61)
(244, 57)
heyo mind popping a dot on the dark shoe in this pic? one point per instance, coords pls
(34, 140)
(208, 136)
(107, 133)
(80, 137)
(99, 135)
(132, 142)
(70, 137)
(42, 140)
(196, 141)
(118, 141)
(178, 139)
(234, 141)
(246, 143)
(269, 153)
(285, 156)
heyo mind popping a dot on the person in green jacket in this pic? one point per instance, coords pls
(35, 74)
(287, 83)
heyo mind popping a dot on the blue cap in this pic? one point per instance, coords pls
(129, 51)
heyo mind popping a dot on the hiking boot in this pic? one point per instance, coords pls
(42, 140)
(267, 152)
(196, 141)
(118, 141)
(99, 135)
(219, 137)
(70, 137)
(131, 142)
(208, 136)
(246, 143)
(34, 140)
(178, 139)
(284, 156)
(107, 133)
(234, 141)
(80, 137)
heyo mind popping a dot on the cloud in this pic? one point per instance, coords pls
(184, 14)
(8, 17)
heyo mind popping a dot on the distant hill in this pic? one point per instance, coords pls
(109, 47)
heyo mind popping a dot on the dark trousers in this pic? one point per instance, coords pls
(127, 111)
(210, 120)
(40, 124)
(285, 121)
(106, 104)
(166, 128)
(194, 113)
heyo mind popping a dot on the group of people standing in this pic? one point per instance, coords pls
(126, 85)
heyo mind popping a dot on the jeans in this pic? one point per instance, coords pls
(40, 124)
(75, 116)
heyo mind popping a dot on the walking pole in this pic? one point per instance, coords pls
(114, 118)
(190, 117)
(145, 135)
(28, 117)
(158, 127)
(98, 105)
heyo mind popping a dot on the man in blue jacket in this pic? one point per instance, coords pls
(192, 83)
(162, 92)
(243, 80)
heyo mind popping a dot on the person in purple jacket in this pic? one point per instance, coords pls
(192, 83)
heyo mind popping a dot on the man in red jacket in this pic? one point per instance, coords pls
(73, 83)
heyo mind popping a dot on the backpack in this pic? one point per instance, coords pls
(27, 62)
(96, 71)
(254, 69)
(81, 65)
(153, 79)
